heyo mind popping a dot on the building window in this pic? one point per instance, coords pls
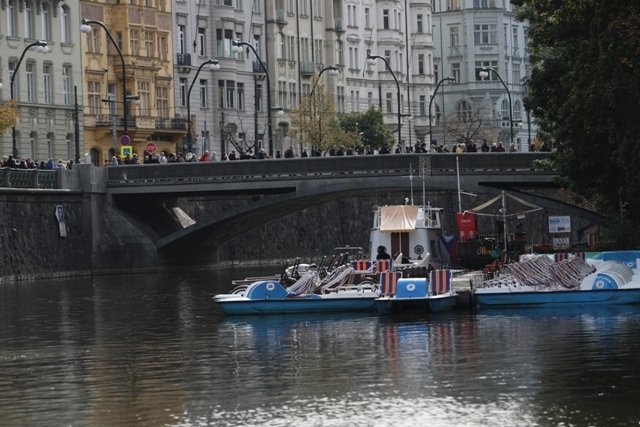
(134, 36)
(282, 94)
(11, 18)
(421, 63)
(67, 85)
(163, 48)
(517, 111)
(28, 20)
(144, 92)
(150, 43)
(50, 145)
(385, 19)
(64, 25)
(516, 74)
(454, 36)
(181, 39)
(31, 84)
(464, 112)
(340, 97)
(504, 109)
(162, 101)
(45, 23)
(230, 93)
(367, 17)
(486, 64)
(94, 94)
(419, 23)
(293, 100)
(224, 39)
(483, 4)
(202, 40)
(280, 54)
(485, 34)
(46, 84)
(453, 4)
(455, 72)
(93, 41)
(339, 52)
(183, 91)
(389, 102)
(422, 102)
(258, 100)
(240, 88)
(203, 94)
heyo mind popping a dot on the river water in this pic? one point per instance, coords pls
(154, 350)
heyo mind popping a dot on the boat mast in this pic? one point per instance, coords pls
(504, 218)
(459, 191)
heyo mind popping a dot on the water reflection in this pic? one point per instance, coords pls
(153, 350)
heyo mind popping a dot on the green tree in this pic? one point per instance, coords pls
(584, 90)
(315, 123)
(370, 128)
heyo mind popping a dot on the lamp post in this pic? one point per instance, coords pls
(86, 28)
(484, 74)
(333, 71)
(451, 79)
(237, 47)
(213, 65)
(42, 48)
(371, 59)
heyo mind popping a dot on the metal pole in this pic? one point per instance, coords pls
(189, 137)
(76, 124)
(125, 109)
(264, 67)
(431, 102)
(397, 87)
(39, 43)
(508, 95)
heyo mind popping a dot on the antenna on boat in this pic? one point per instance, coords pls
(424, 197)
(411, 179)
(458, 177)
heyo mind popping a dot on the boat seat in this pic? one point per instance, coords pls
(440, 281)
(383, 265)
(362, 265)
(389, 283)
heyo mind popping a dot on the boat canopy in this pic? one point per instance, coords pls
(398, 218)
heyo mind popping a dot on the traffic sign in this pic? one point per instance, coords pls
(151, 147)
(125, 140)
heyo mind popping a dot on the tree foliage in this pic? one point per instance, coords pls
(370, 127)
(585, 91)
(315, 123)
(8, 115)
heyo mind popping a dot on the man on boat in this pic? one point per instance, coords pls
(382, 253)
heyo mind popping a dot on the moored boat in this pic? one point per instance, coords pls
(610, 278)
(399, 295)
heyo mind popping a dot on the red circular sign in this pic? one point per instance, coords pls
(150, 147)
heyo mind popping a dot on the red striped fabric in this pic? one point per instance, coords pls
(383, 265)
(440, 281)
(389, 283)
(361, 264)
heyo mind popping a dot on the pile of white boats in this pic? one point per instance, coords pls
(416, 280)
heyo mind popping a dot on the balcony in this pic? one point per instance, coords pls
(280, 19)
(307, 69)
(107, 121)
(171, 124)
(183, 59)
(338, 26)
(257, 67)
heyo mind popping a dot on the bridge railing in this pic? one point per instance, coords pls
(319, 167)
(28, 178)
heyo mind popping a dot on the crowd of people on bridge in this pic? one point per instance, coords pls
(27, 163)
(471, 146)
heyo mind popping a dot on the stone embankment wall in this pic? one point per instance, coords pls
(101, 239)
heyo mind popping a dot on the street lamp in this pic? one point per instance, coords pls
(213, 65)
(451, 79)
(237, 47)
(484, 74)
(86, 28)
(371, 59)
(333, 71)
(41, 47)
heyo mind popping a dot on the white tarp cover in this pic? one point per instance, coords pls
(398, 218)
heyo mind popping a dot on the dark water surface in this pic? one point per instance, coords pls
(154, 350)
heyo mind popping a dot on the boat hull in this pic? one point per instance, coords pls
(426, 305)
(541, 298)
(297, 305)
